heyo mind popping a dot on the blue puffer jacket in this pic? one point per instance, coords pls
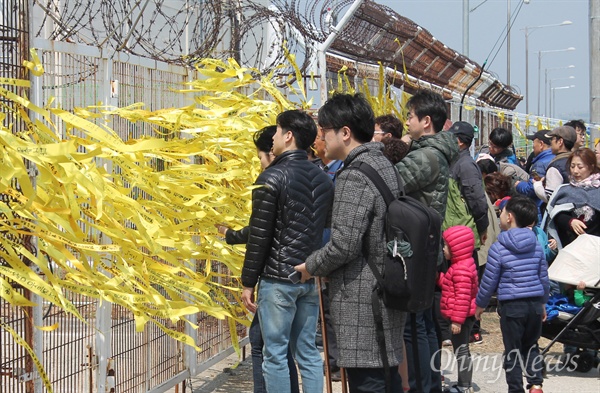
(516, 268)
(539, 165)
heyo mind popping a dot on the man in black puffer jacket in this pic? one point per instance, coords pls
(289, 209)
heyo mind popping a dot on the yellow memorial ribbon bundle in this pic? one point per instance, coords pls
(112, 224)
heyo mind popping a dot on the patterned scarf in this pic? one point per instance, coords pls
(585, 212)
(592, 181)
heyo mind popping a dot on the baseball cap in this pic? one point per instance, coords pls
(500, 203)
(463, 130)
(565, 132)
(542, 135)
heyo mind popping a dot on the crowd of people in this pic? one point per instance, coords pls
(317, 227)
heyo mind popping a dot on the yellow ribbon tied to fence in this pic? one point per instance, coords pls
(131, 220)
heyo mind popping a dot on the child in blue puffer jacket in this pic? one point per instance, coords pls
(517, 271)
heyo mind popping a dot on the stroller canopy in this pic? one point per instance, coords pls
(579, 261)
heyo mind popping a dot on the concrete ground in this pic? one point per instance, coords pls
(233, 376)
(487, 377)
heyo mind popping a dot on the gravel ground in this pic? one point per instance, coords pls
(233, 376)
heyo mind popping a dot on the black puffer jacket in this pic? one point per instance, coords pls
(289, 210)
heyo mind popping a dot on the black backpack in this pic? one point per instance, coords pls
(413, 232)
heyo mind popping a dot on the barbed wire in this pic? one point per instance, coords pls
(181, 32)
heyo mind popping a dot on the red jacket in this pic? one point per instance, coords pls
(459, 284)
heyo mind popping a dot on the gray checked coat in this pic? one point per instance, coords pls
(357, 232)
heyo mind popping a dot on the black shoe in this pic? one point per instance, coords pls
(336, 376)
(319, 341)
(332, 369)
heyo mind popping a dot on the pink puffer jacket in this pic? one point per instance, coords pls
(459, 284)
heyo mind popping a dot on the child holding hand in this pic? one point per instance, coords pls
(459, 289)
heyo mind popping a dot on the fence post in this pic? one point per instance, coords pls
(37, 336)
(105, 375)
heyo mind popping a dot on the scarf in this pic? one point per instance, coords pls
(592, 181)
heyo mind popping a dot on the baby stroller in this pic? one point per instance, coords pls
(579, 261)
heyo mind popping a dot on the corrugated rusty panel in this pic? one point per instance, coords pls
(376, 33)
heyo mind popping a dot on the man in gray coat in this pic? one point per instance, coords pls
(357, 233)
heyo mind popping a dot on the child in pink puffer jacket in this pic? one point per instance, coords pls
(459, 289)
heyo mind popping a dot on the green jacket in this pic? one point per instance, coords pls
(424, 180)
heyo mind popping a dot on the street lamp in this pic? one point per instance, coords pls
(528, 30)
(553, 103)
(540, 53)
(546, 90)
(509, 22)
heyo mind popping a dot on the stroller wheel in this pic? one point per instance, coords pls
(585, 362)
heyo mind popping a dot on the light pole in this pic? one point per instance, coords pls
(540, 53)
(546, 90)
(528, 30)
(553, 103)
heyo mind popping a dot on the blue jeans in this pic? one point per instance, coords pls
(521, 327)
(256, 348)
(288, 314)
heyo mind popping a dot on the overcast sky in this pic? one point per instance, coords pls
(488, 20)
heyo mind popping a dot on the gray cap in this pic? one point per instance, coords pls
(565, 132)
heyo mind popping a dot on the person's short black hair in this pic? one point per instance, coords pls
(501, 137)
(576, 124)
(487, 166)
(568, 144)
(352, 111)
(429, 103)
(302, 126)
(523, 210)
(263, 138)
(390, 124)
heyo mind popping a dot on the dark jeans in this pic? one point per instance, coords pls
(445, 330)
(521, 326)
(429, 353)
(256, 346)
(332, 348)
(480, 270)
(460, 344)
(372, 380)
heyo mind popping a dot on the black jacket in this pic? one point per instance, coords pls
(466, 172)
(237, 237)
(289, 210)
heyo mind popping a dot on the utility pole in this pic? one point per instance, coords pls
(594, 65)
(465, 43)
(508, 44)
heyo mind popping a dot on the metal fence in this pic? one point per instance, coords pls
(105, 354)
